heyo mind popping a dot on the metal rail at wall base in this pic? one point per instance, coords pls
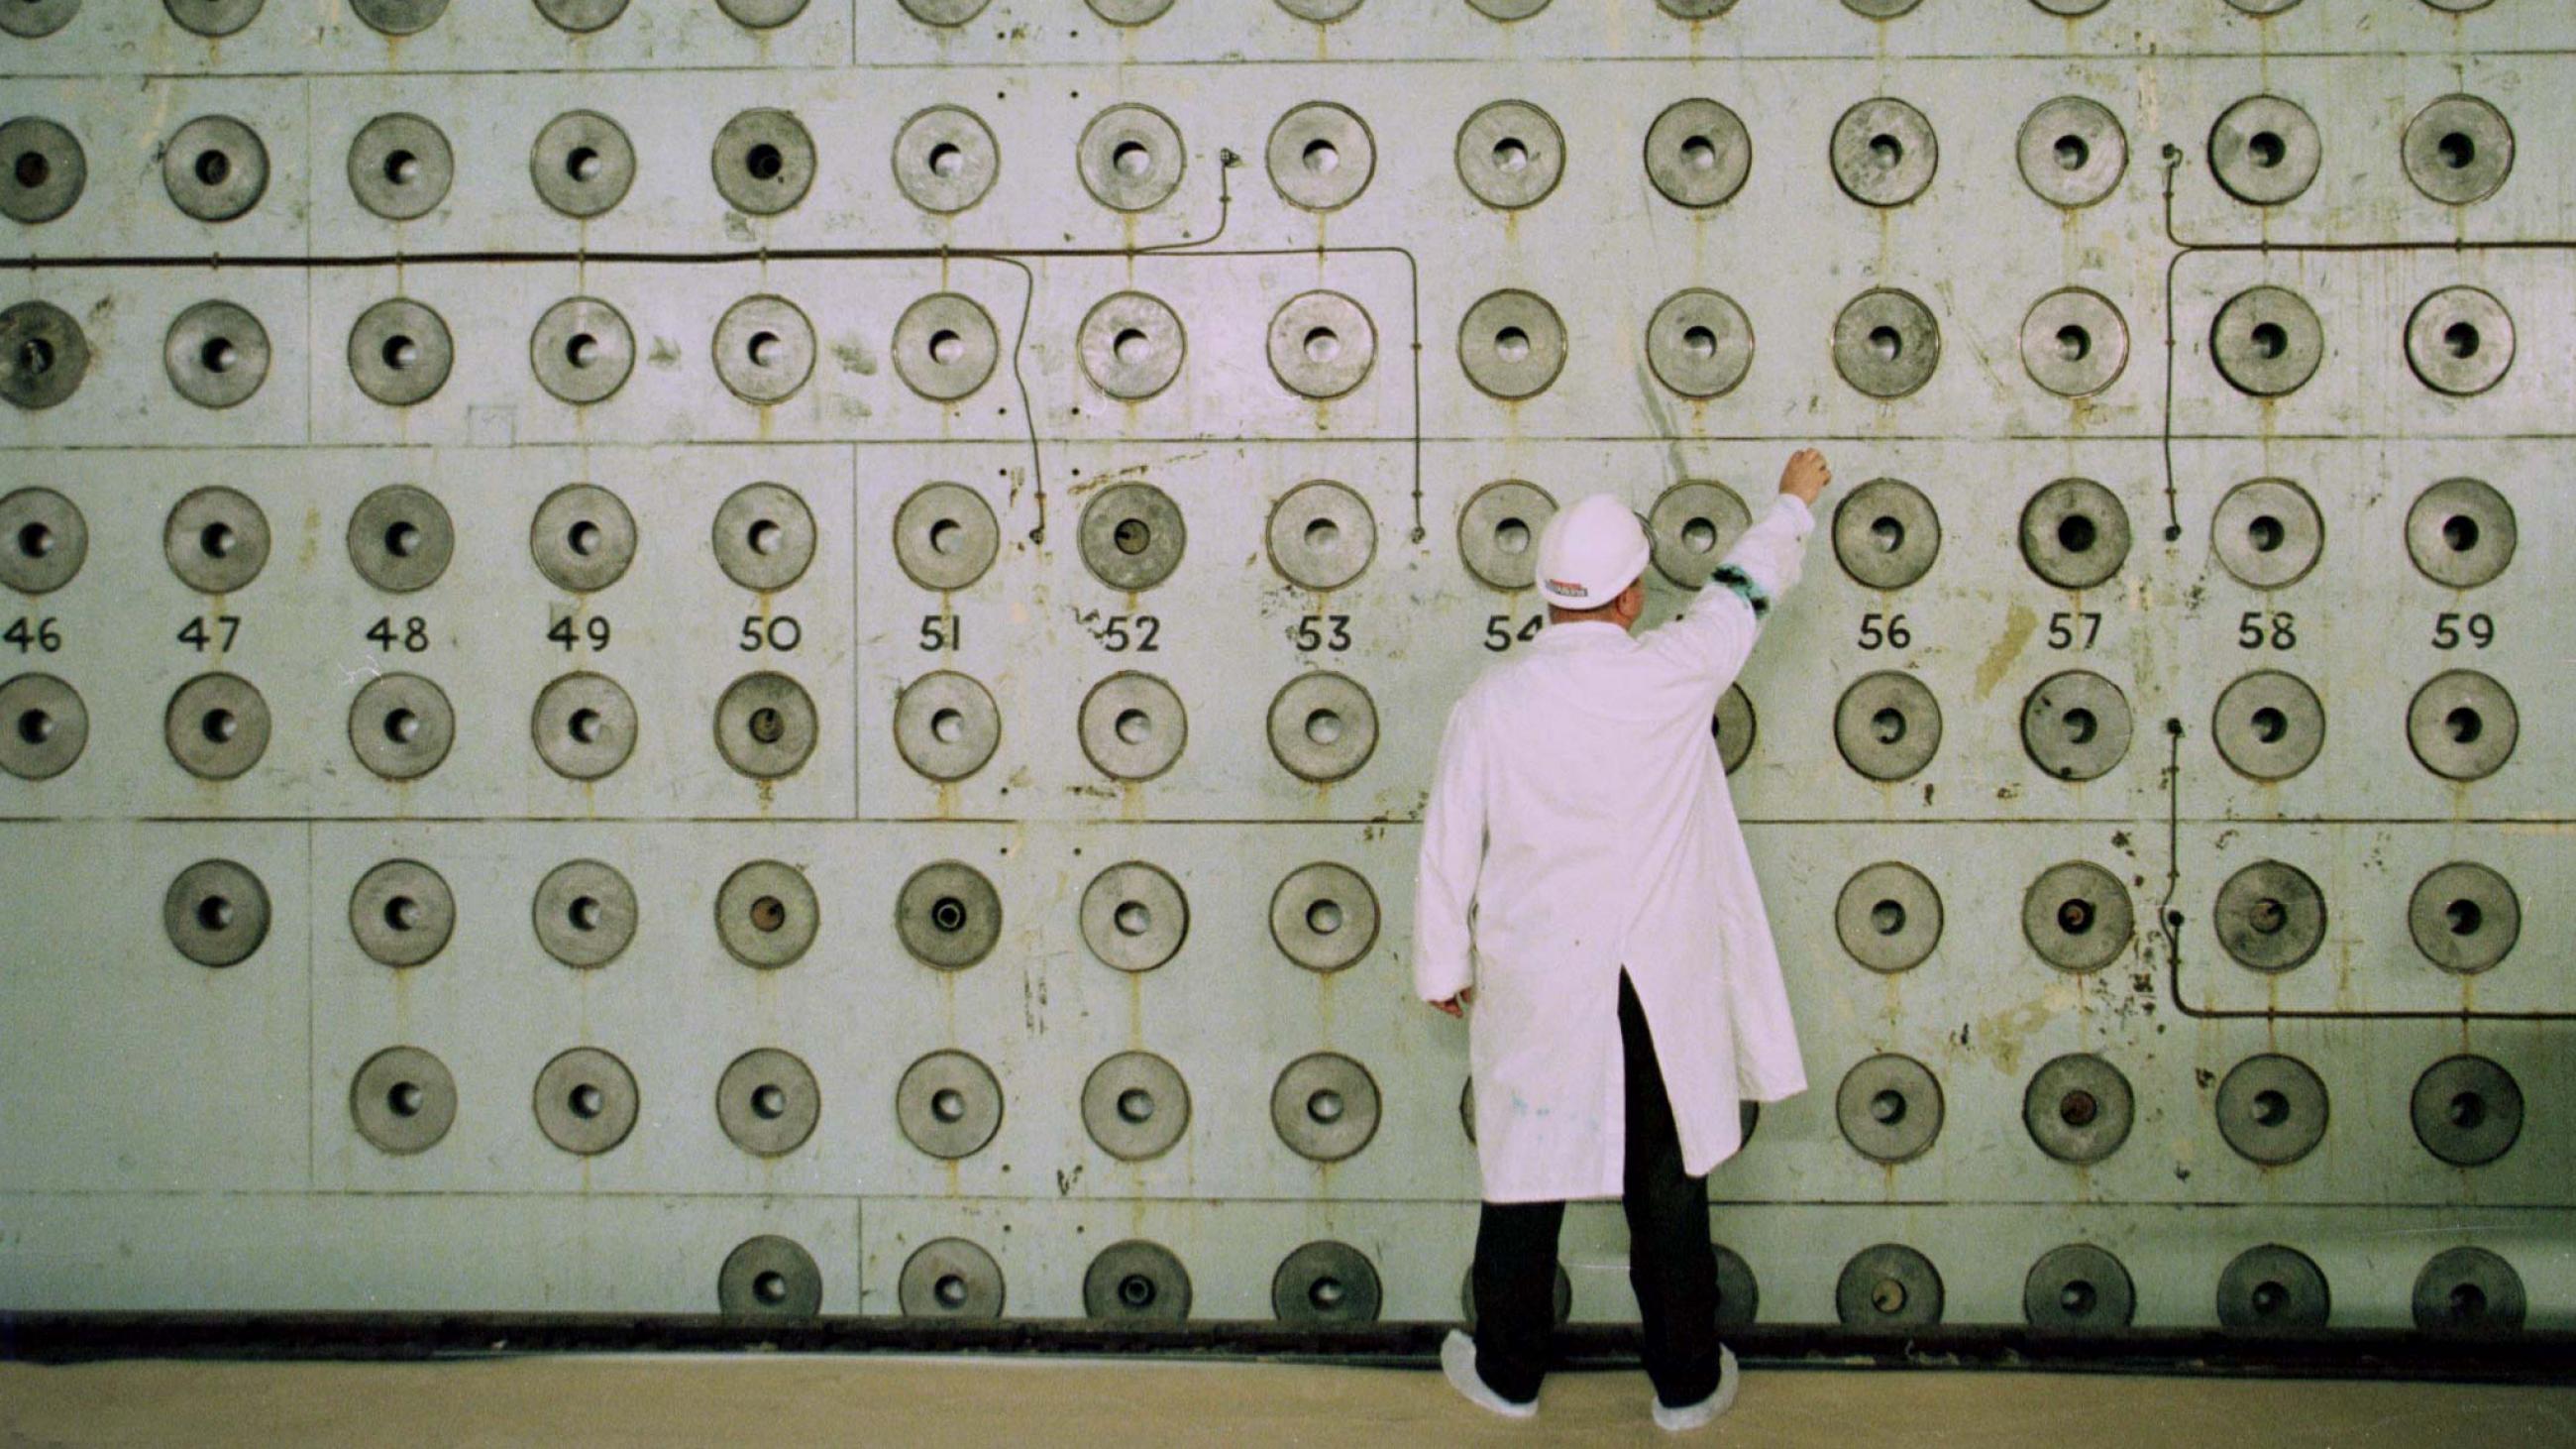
(2532, 1357)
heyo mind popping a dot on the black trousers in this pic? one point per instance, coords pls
(1670, 1263)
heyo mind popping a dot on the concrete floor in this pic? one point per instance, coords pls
(698, 1400)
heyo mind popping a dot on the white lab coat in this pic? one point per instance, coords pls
(1579, 821)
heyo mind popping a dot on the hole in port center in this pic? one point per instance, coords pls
(1132, 918)
(947, 726)
(2081, 726)
(2268, 916)
(948, 1104)
(1322, 345)
(583, 538)
(401, 726)
(584, 913)
(1699, 535)
(581, 350)
(1512, 344)
(2076, 1298)
(2460, 340)
(1131, 158)
(2270, 725)
(32, 169)
(769, 1101)
(1321, 157)
(1136, 1290)
(764, 161)
(2270, 1298)
(1888, 1106)
(214, 913)
(215, 540)
(1325, 1292)
(2271, 1108)
(402, 168)
(1324, 917)
(587, 1101)
(35, 356)
(770, 1287)
(1133, 726)
(946, 159)
(1132, 536)
(947, 536)
(2076, 533)
(402, 539)
(950, 1290)
(213, 167)
(1325, 1106)
(2460, 532)
(2464, 725)
(2078, 1109)
(1887, 918)
(2270, 339)
(767, 725)
(2457, 150)
(2075, 915)
(1886, 150)
(946, 347)
(1888, 532)
(2265, 533)
(2072, 153)
(2467, 1110)
(2073, 342)
(1887, 1295)
(1135, 1104)
(2266, 149)
(1510, 154)
(1512, 535)
(218, 725)
(35, 726)
(1889, 725)
(948, 914)
(582, 163)
(1323, 727)
(1699, 153)
(768, 913)
(1700, 342)
(400, 352)
(765, 537)
(2464, 916)
(1887, 342)
(763, 349)
(1323, 533)
(404, 1099)
(35, 540)
(1130, 346)
(2468, 1300)
(217, 355)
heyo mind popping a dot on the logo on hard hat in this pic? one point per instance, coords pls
(1562, 587)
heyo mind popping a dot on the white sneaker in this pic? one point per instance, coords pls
(1692, 1416)
(1458, 1365)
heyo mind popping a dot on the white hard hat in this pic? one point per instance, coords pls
(1589, 552)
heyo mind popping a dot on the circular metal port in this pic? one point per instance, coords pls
(43, 355)
(47, 169)
(217, 726)
(764, 349)
(2267, 532)
(946, 726)
(1888, 917)
(948, 915)
(945, 346)
(582, 350)
(766, 914)
(945, 159)
(1324, 1283)
(582, 163)
(2467, 1110)
(763, 161)
(1886, 343)
(1135, 1106)
(2074, 342)
(1131, 536)
(43, 540)
(1699, 343)
(2272, 1287)
(1321, 344)
(2075, 533)
(1510, 155)
(1887, 725)
(2270, 916)
(2265, 150)
(216, 539)
(1512, 344)
(403, 1100)
(1731, 727)
(1888, 1286)
(586, 1101)
(767, 1101)
(2267, 341)
(1884, 152)
(950, 1277)
(1324, 916)
(2272, 1109)
(2461, 533)
(2469, 1291)
(764, 537)
(401, 913)
(1136, 1282)
(400, 538)
(2078, 1108)
(44, 726)
(2269, 725)
(216, 354)
(401, 726)
(1886, 534)
(2076, 725)
(216, 913)
(766, 726)
(584, 913)
(945, 536)
(1321, 156)
(400, 352)
(400, 166)
(584, 725)
(2072, 151)
(769, 1277)
(1130, 158)
(2459, 341)
(1323, 727)
(2078, 1287)
(1134, 916)
(1889, 1108)
(2077, 916)
(1698, 153)
(2458, 150)
(2462, 725)
(1498, 533)
(1131, 345)
(1325, 1107)
(2464, 917)
(1133, 726)
(214, 168)
(1321, 535)
(1691, 527)
(582, 538)
(948, 1104)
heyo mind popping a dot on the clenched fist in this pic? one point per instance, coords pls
(1806, 475)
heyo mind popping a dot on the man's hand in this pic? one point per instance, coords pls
(1453, 1004)
(1806, 475)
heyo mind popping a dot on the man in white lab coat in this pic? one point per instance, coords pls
(1582, 877)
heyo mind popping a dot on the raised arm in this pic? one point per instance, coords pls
(1453, 852)
(1715, 636)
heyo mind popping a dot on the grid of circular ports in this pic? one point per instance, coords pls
(1321, 344)
(2078, 1108)
(401, 726)
(582, 538)
(2077, 916)
(1132, 726)
(2457, 150)
(2072, 151)
(2469, 1291)
(2075, 533)
(1131, 536)
(2467, 1110)
(1324, 916)
(2269, 725)
(580, 17)
(2464, 917)
(1321, 535)
(946, 726)
(2460, 533)
(1130, 158)
(761, 14)
(217, 726)
(2270, 916)
(1698, 153)
(47, 168)
(1323, 727)
(1134, 916)
(1888, 725)
(1324, 1283)
(1135, 1106)
(763, 161)
(945, 346)
(215, 168)
(1512, 344)
(586, 1101)
(584, 913)
(399, 17)
(1561, 1299)
(1884, 152)
(2265, 150)
(1325, 1107)
(1136, 1282)
(766, 914)
(764, 349)
(2078, 1286)
(2076, 725)
(400, 166)
(401, 913)
(949, 1277)
(945, 159)
(1731, 727)
(1510, 155)
(2462, 725)
(1886, 534)
(44, 726)
(43, 540)
(582, 350)
(2267, 532)
(1690, 528)
(945, 536)
(767, 1102)
(1889, 1108)
(1321, 156)
(1888, 1286)
(1131, 345)
(2267, 341)
(948, 915)
(1498, 533)
(216, 539)
(1699, 343)
(769, 1277)
(400, 538)
(1888, 917)
(2272, 1286)
(2459, 340)
(43, 355)
(2074, 342)
(949, 1104)
(2272, 1109)
(766, 725)
(216, 912)
(34, 18)
(764, 536)
(1886, 343)
(403, 1100)
(400, 352)
(216, 354)
(209, 19)
(584, 725)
